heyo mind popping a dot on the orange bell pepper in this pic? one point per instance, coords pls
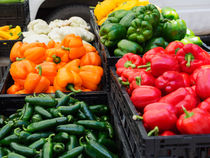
(74, 45)
(91, 76)
(35, 54)
(89, 48)
(73, 65)
(36, 83)
(20, 69)
(49, 70)
(51, 44)
(90, 59)
(57, 55)
(15, 51)
(67, 80)
(13, 89)
(22, 92)
(51, 89)
(26, 46)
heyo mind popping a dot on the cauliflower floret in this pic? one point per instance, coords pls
(39, 26)
(76, 21)
(37, 38)
(59, 23)
(56, 35)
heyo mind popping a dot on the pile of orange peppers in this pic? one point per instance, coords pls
(69, 66)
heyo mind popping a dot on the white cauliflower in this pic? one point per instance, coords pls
(37, 38)
(56, 35)
(76, 21)
(59, 23)
(39, 26)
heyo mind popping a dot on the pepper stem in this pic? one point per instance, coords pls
(137, 117)
(154, 132)
(176, 50)
(187, 114)
(129, 64)
(56, 59)
(123, 82)
(138, 80)
(65, 48)
(39, 69)
(71, 88)
(189, 57)
(19, 59)
(147, 65)
(81, 143)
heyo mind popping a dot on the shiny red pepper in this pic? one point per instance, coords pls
(151, 53)
(144, 95)
(161, 63)
(169, 81)
(162, 118)
(205, 105)
(173, 47)
(185, 97)
(194, 75)
(196, 121)
(187, 79)
(129, 72)
(128, 60)
(191, 57)
(167, 133)
(203, 83)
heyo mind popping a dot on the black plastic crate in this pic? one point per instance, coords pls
(11, 104)
(178, 146)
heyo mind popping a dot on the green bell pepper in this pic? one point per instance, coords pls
(169, 13)
(155, 42)
(111, 34)
(139, 31)
(127, 19)
(189, 33)
(149, 13)
(192, 39)
(126, 46)
(174, 30)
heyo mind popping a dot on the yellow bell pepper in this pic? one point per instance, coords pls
(5, 28)
(5, 35)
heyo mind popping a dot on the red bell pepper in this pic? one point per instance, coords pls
(158, 105)
(187, 79)
(169, 81)
(194, 75)
(144, 95)
(128, 60)
(161, 63)
(191, 57)
(205, 105)
(196, 121)
(185, 97)
(162, 118)
(151, 53)
(173, 47)
(203, 83)
(167, 133)
(129, 72)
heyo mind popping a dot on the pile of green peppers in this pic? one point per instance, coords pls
(143, 28)
(57, 127)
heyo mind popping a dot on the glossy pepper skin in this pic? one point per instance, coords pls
(202, 83)
(74, 46)
(15, 51)
(173, 47)
(36, 54)
(91, 58)
(174, 30)
(139, 31)
(192, 39)
(111, 34)
(196, 121)
(169, 81)
(185, 97)
(151, 53)
(169, 13)
(187, 79)
(191, 56)
(155, 42)
(13, 89)
(167, 133)
(125, 46)
(161, 63)
(149, 13)
(144, 95)
(193, 76)
(162, 118)
(205, 105)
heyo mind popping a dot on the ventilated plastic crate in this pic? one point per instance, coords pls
(178, 146)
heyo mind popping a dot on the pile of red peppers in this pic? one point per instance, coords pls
(170, 88)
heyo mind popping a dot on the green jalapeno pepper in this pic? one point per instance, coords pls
(86, 111)
(47, 151)
(71, 128)
(41, 100)
(69, 109)
(36, 118)
(40, 110)
(6, 129)
(72, 142)
(61, 137)
(38, 144)
(73, 153)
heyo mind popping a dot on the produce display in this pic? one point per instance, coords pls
(141, 28)
(169, 88)
(60, 127)
(39, 31)
(7, 32)
(68, 66)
